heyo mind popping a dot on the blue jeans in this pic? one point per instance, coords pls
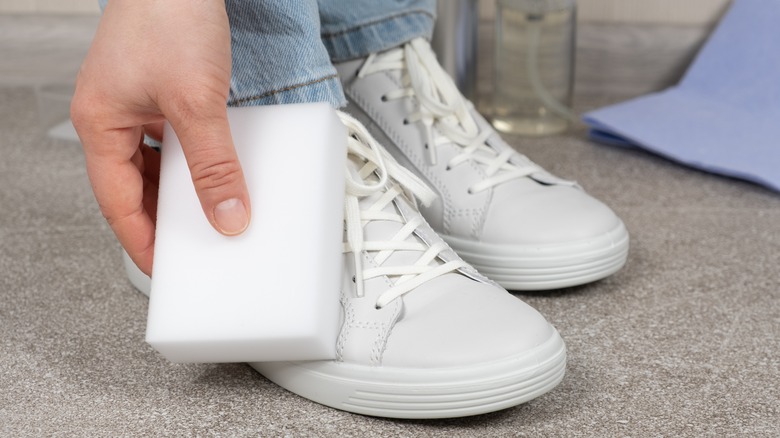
(283, 50)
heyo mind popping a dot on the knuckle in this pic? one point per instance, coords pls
(114, 217)
(87, 110)
(85, 106)
(210, 175)
(81, 111)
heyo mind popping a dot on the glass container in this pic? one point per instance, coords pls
(534, 66)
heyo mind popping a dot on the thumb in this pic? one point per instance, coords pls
(204, 134)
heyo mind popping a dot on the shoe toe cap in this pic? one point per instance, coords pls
(531, 213)
(454, 321)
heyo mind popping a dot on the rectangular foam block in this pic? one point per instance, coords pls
(271, 293)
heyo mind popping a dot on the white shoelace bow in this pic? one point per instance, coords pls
(443, 107)
(381, 173)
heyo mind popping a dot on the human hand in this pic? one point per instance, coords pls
(152, 61)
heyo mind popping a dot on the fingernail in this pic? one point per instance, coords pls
(231, 217)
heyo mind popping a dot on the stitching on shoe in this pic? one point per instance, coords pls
(481, 216)
(462, 213)
(380, 342)
(349, 317)
(478, 219)
(369, 325)
(383, 330)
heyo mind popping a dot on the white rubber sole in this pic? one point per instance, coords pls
(137, 278)
(414, 393)
(424, 393)
(544, 267)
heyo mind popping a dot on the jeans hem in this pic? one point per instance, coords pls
(379, 35)
(325, 89)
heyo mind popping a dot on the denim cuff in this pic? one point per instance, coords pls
(377, 36)
(326, 89)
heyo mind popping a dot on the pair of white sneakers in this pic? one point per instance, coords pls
(425, 334)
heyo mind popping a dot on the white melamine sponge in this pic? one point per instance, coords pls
(271, 293)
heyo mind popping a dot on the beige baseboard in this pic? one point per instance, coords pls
(76, 7)
(688, 12)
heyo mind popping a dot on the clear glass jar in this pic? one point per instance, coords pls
(534, 66)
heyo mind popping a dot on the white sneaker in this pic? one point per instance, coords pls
(508, 217)
(424, 335)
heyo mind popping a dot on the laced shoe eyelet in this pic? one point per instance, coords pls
(383, 98)
(406, 121)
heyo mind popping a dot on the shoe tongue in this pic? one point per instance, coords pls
(354, 164)
(398, 74)
(384, 230)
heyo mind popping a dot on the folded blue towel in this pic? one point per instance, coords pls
(724, 116)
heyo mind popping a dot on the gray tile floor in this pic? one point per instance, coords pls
(685, 340)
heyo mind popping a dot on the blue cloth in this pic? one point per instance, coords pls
(724, 116)
(283, 50)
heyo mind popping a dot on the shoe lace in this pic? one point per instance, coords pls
(444, 108)
(379, 174)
